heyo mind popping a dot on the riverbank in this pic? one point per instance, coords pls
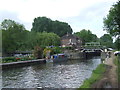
(21, 63)
(96, 75)
(107, 79)
(117, 63)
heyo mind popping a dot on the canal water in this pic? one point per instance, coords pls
(70, 74)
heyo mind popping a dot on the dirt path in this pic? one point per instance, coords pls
(110, 77)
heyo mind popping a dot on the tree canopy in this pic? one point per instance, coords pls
(13, 35)
(87, 36)
(46, 39)
(117, 44)
(16, 37)
(106, 40)
(112, 21)
(42, 24)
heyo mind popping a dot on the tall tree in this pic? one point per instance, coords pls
(87, 36)
(13, 35)
(106, 40)
(112, 21)
(47, 39)
(42, 24)
(117, 44)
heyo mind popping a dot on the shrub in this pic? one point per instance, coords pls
(9, 59)
(38, 52)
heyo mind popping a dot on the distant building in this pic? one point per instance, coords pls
(70, 40)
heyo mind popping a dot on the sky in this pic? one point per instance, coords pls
(79, 14)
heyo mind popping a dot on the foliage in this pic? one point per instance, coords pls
(16, 38)
(46, 50)
(53, 50)
(57, 50)
(15, 59)
(42, 24)
(13, 36)
(87, 36)
(117, 63)
(96, 75)
(118, 68)
(9, 59)
(48, 39)
(106, 40)
(112, 21)
(117, 43)
(38, 52)
(44, 39)
(0, 42)
(9, 24)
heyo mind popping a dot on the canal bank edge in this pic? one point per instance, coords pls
(117, 63)
(22, 63)
(96, 75)
(107, 79)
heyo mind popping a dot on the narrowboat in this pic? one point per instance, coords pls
(59, 58)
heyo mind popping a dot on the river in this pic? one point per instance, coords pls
(70, 74)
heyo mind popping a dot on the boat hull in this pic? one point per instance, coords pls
(60, 59)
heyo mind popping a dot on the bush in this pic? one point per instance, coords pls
(38, 52)
(117, 63)
(9, 59)
(57, 50)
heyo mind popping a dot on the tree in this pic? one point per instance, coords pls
(117, 44)
(87, 36)
(13, 36)
(38, 52)
(106, 40)
(112, 21)
(42, 24)
(61, 28)
(47, 39)
(8, 44)
(10, 24)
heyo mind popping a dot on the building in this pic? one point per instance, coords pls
(70, 40)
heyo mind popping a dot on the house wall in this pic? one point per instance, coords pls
(65, 42)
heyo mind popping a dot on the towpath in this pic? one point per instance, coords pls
(110, 77)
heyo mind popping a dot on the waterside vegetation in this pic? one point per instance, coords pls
(117, 63)
(96, 75)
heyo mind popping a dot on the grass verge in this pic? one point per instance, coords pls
(96, 75)
(117, 63)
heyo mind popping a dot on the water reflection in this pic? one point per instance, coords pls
(69, 74)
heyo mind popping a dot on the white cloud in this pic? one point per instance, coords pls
(28, 9)
(84, 12)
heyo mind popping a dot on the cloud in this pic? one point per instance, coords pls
(28, 9)
(79, 14)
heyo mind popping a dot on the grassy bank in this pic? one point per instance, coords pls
(96, 75)
(117, 63)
